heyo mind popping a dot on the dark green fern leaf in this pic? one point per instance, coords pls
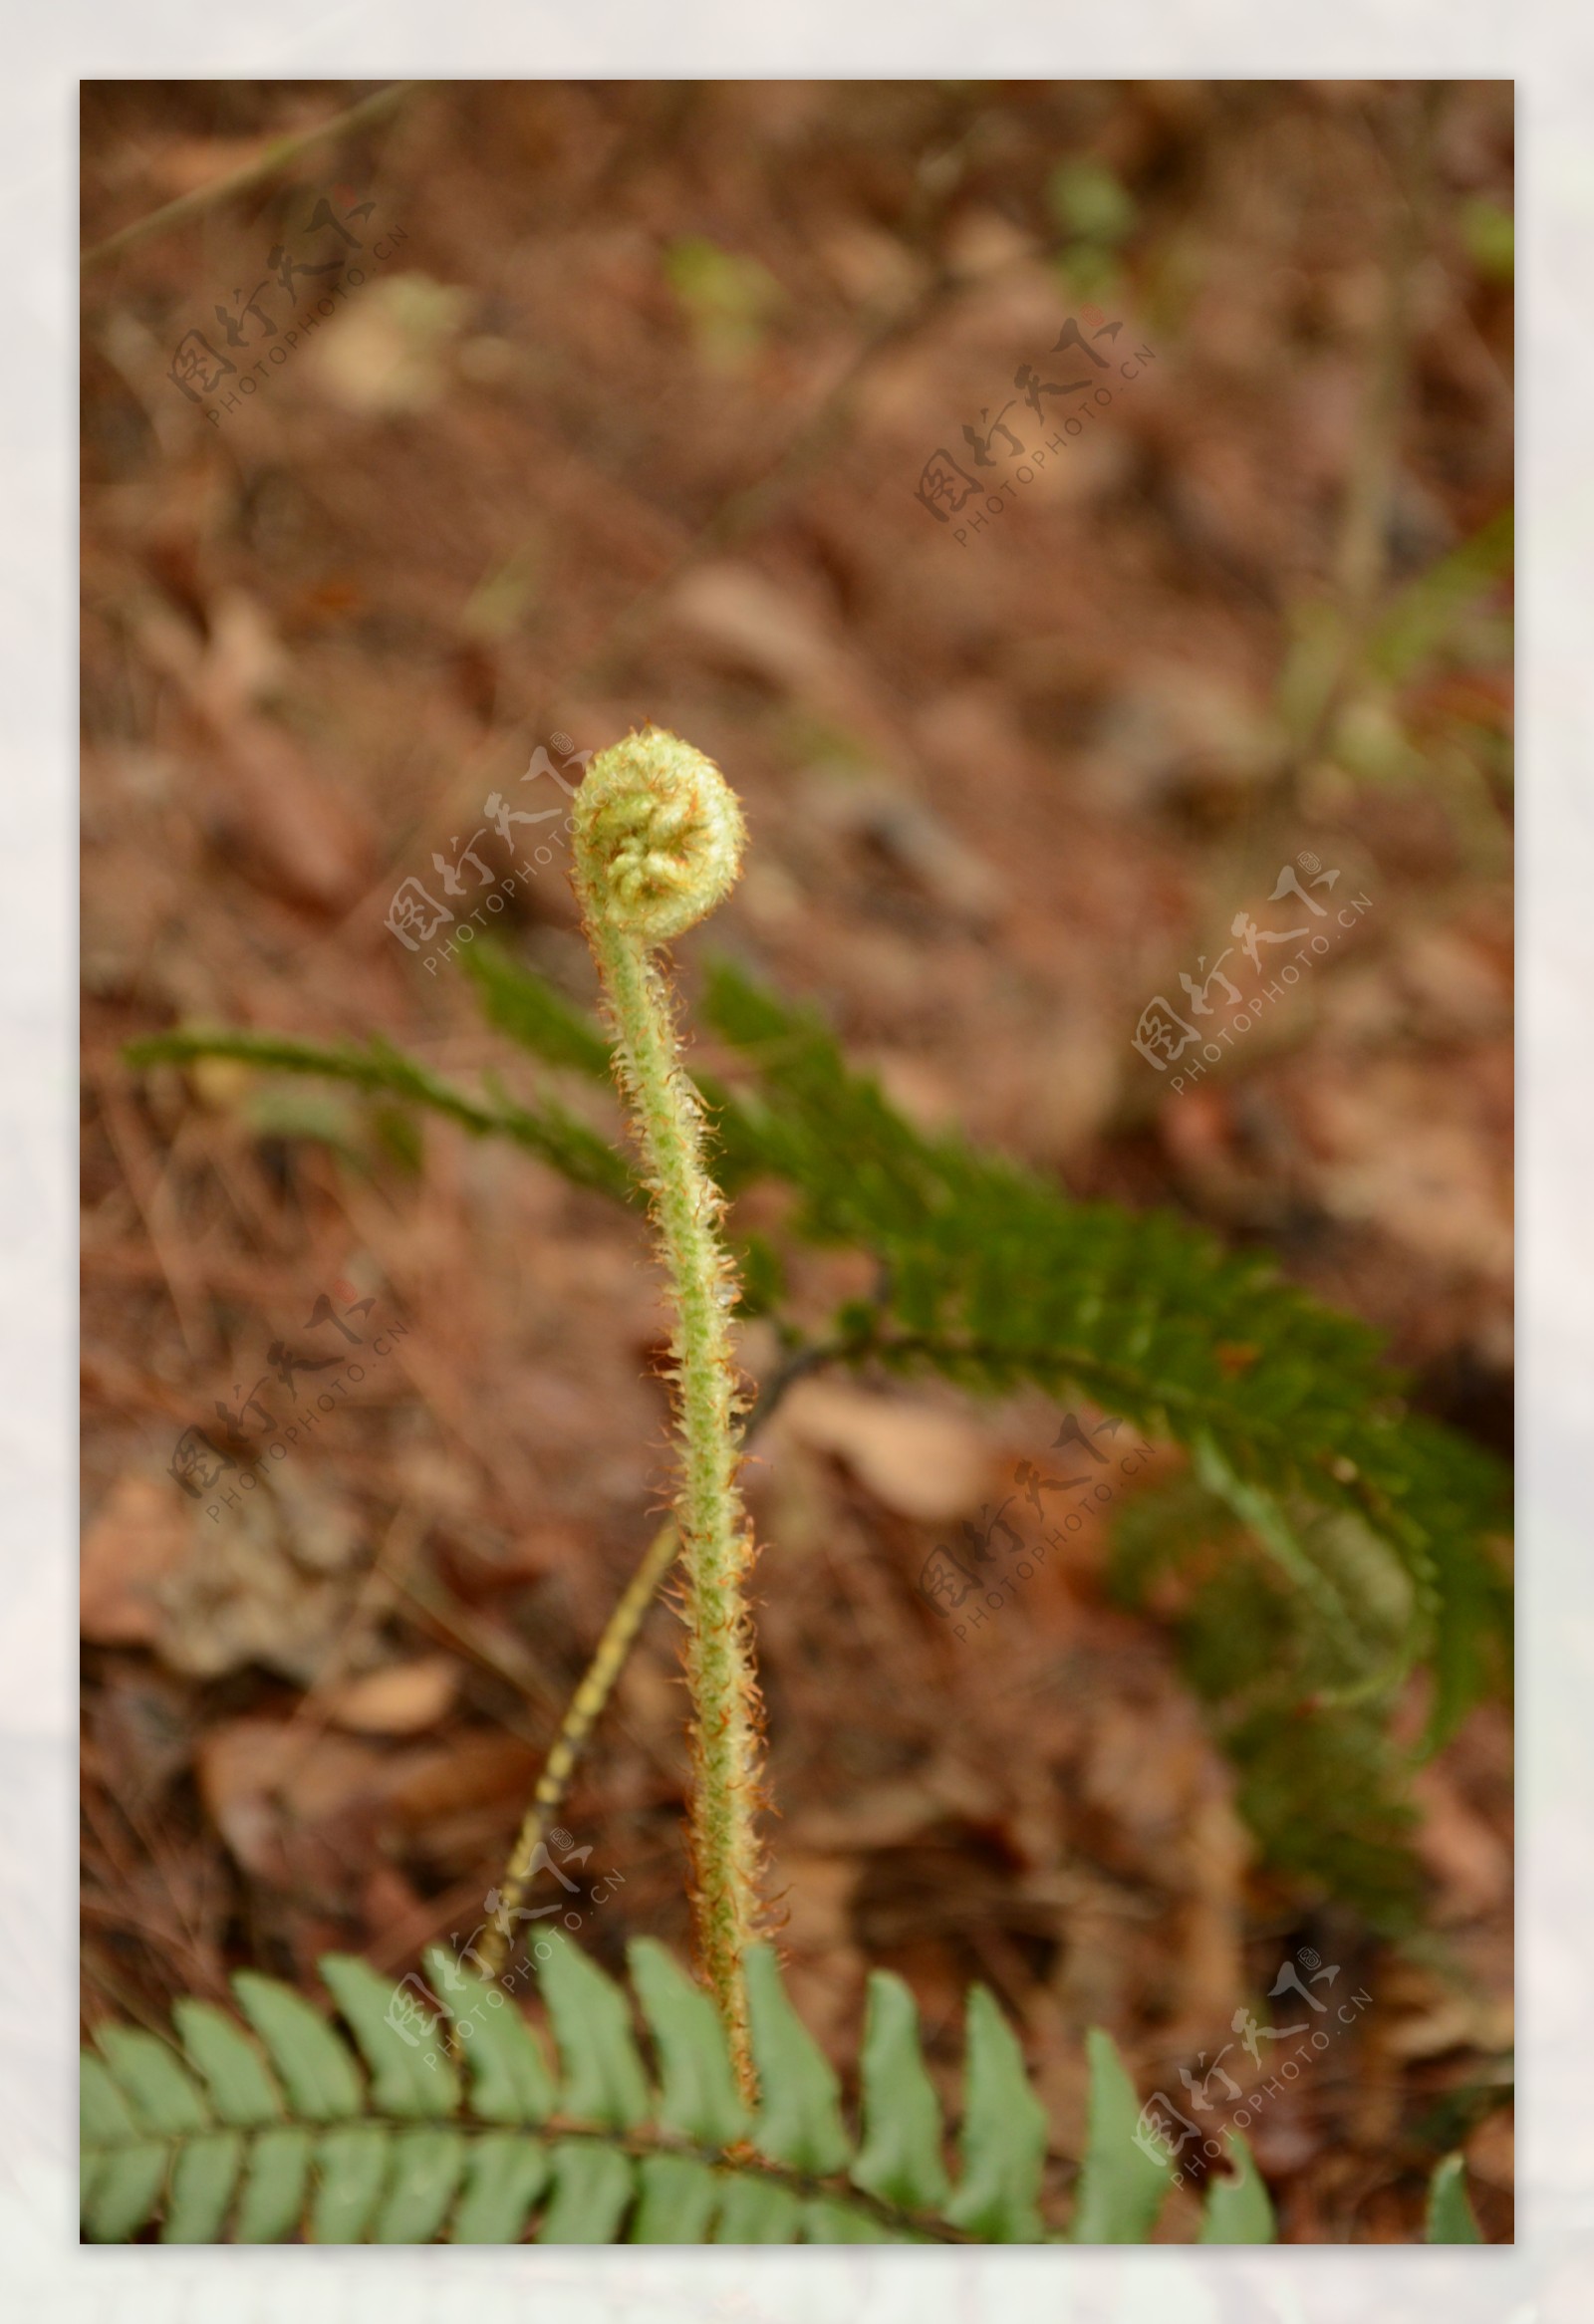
(299, 2129)
(554, 1135)
(995, 1278)
(534, 1014)
(1300, 1704)
(1379, 1522)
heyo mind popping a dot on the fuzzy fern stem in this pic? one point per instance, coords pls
(659, 838)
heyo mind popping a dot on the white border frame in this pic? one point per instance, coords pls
(1549, 50)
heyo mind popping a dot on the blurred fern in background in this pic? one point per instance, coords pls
(1326, 1542)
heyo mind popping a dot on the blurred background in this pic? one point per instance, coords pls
(722, 405)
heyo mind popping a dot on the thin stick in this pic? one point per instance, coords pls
(276, 157)
(583, 1709)
(1358, 547)
(609, 1655)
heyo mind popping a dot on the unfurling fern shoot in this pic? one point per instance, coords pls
(659, 838)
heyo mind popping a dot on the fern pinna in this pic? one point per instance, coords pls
(265, 2134)
(287, 2126)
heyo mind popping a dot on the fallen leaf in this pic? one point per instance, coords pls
(140, 1535)
(913, 837)
(924, 1463)
(480, 1769)
(824, 1967)
(748, 620)
(297, 1809)
(1472, 1863)
(759, 624)
(1492, 2150)
(1453, 2021)
(389, 352)
(894, 1813)
(271, 809)
(459, 1803)
(1145, 1780)
(1456, 986)
(245, 662)
(1411, 1155)
(142, 1728)
(1179, 725)
(184, 165)
(266, 805)
(402, 1700)
(271, 1582)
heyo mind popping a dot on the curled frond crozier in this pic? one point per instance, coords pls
(659, 836)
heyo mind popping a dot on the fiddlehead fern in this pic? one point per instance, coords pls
(659, 839)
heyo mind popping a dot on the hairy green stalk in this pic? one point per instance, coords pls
(659, 838)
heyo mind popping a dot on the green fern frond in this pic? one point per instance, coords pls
(551, 1133)
(995, 1278)
(1300, 1704)
(288, 2127)
(1422, 617)
(1450, 2219)
(285, 2127)
(1119, 2192)
(1377, 1520)
(1239, 2210)
(535, 1015)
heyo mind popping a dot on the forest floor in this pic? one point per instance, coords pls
(629, 415)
